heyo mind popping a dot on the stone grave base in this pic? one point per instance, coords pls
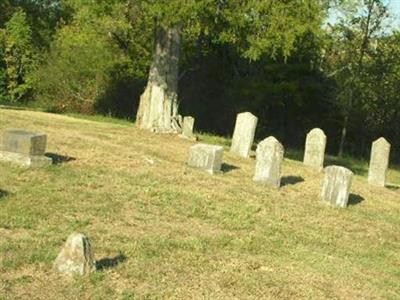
(25, 160)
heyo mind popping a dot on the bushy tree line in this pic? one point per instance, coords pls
(281, 60)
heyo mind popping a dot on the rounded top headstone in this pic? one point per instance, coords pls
(316, 131)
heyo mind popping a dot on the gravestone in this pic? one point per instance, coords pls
(314, 152)
(336, 186)
(24, 147)
(76, 257)
(243, 135)
(187, 128)
(206, 157)
(379, 162)
(269, 157)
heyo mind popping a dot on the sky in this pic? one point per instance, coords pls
(394, 10)
(394, 6)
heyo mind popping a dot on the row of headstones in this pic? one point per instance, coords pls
(269, 158)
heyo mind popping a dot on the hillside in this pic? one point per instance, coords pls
(163, 230)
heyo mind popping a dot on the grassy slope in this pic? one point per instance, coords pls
(186, 234)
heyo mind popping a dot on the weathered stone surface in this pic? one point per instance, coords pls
(27, 161)
(336, 186)
(24, 147)
(76, 257)
(243, 135)
(206, 157)
(379, 162)
(23, 142)
(314, 152)
(269, 158)
(187, 128)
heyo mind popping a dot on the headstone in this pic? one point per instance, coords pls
(187, 128)
(336, 186)
(24, 147)
(206, 157)
(76, 257)
(243, 135)
(314, 152)
(269, 158)
(379, 162)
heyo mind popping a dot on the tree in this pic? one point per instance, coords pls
(95, 49)
(254, 27)
(349, 49)
(19, 55)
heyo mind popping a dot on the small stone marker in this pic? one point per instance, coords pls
(24, 147)
(187, 128)
(269, 157)
(76, 257)
(243, 135)
(379, 162)
(314, 152)
(206, 157)
(336, 186)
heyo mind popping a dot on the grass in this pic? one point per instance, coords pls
(183, 233)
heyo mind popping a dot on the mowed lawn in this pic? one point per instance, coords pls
(162, 230)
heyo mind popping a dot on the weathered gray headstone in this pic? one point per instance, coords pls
(76, 257)
(314, 152)
(206, 157)
(336, 186)
(243, 135)
(24, 147)
(379, 162)
(269, 157)
(187, 128)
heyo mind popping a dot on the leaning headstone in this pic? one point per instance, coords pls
(76, 257)
(187, 128)
(379, 162)
(243, 135)
(336, 186)
(24, 148)
(269, 157)
(206, 157)
(314, 152)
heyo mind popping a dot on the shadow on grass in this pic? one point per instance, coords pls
(393, 187)
(291, 180)
(110, 262)
(355, 199)
(225, 168)
(3, 193)
(59, 159)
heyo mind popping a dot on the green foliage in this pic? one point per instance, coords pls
(19, 56)
(3, 75)
(85, 58)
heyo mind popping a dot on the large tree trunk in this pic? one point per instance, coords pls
(158, 107)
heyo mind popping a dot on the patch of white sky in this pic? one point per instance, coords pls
(394, 12)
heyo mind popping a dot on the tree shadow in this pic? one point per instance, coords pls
(3, 193)
(225, 168)
(393, 187)
(291, 180)
(59, 159)
(355, 199)
(110, 262)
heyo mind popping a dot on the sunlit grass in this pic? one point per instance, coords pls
(184, 233)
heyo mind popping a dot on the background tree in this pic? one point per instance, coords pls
(349, 49)
(254, 27)
(19, 56)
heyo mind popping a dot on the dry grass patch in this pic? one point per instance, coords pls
(185, 234)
